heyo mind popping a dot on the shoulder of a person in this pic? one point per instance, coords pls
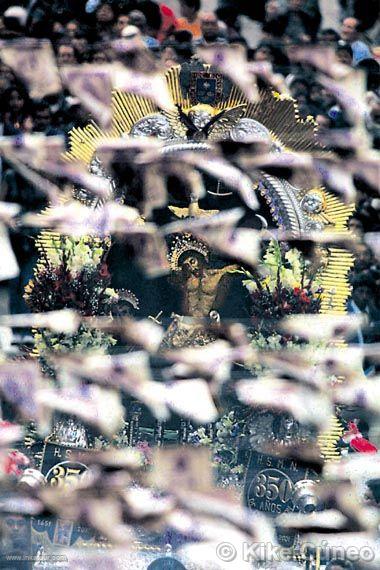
(9, 129)
(361, 43)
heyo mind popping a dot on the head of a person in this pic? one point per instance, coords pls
(328, 36)
(105, 14)
(355, 225)
(363, 253)
(41, 116)
(361, 294)
(182, 37)
(371, 69)
(155, 14)
(192, 263)
(177, 49)
(264, 53)
(302, 100)
(274, 8)
(295, 4)
(81, 46)
(189, 8)
(15, 100)
(344, 54)
(99, 55)
(66, 54)
(299, 86)
(72, 28)
(16, 527)
(121, 23)
(58, 29)
(169, 56)
(285, 425)
(320, 96)
(14, 19)
(209, 26)
(350, 29)
(6, 77)
(138, 19)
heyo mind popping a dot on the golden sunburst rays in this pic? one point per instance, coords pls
(83, 141)
(279, 114)
(328, 440)
(127, 110)
(172, 78)
(334, 279)
(336, 292)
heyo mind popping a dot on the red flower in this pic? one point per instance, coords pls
(296, 290)
(103, 271)
(14, 461)
(362, 445)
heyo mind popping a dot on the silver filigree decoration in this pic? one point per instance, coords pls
(270, 427)
(70, 433)
(283, 198)
(247, 130)
(200, 118)
(314, 226)
(153, 126)
(312, 203)
(84, 195)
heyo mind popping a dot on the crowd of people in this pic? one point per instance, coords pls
(80, 30)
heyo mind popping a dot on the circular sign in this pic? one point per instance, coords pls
(166, 563)
(271, 490)
(66, 473)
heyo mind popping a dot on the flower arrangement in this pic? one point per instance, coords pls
(225, 448)
(73, 273)
(120, 441)
(285, 284)
(144, 448)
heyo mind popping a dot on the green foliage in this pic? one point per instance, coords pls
(281, 267)
(224, 447)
